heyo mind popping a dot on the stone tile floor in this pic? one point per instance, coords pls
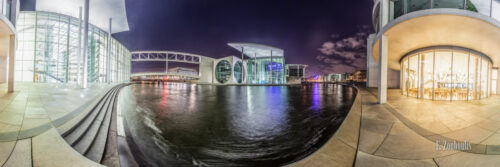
(400, 133)
(404, 131)
(28, 118)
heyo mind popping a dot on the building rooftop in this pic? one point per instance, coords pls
(181, 69)
(257, 50)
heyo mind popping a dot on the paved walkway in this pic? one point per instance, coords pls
(404, 131)
(31, 120)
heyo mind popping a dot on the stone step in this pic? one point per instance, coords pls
(76, 134)
(67, 124)
(50, 149)
(110, 156)
(96, 151)
(83, 145)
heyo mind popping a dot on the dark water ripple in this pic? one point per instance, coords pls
(179, 124)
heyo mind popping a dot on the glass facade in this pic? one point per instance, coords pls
(457, 4)
(262, 71)
(402, 7)
(415, 5)
(223, 71)
(398, 8)
(48, 46)
(446, 73)
(238, 71)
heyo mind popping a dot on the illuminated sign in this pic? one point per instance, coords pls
(276, 66)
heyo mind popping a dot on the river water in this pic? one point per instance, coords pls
(179, 124)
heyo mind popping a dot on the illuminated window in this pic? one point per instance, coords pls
(447, 73)
(48, 45)
(238, 71)
(223, 71)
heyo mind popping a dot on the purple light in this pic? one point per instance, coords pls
(316, 98)
(275, 66)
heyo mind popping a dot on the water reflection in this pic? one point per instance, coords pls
(178, 124)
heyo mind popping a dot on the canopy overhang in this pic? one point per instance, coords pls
(100, 11)
(438, 27)
(257, 50)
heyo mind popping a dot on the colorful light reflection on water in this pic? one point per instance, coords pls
(177, 124)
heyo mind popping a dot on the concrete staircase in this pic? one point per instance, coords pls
(89, 135)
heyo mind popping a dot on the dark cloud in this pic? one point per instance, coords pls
(340, 55)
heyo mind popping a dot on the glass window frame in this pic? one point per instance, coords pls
(475, 87)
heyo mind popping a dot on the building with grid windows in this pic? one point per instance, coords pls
(50, 46)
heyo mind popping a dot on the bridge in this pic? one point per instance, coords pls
(204, 66)
(162, 76)
(167, 56)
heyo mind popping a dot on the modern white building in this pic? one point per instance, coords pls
(435, 49)
(229, 70)
(51, 47)
(266, 64)
(258, 64)
(295, 73)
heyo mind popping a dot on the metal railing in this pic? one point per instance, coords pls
(166, 56)
(397, 8)
(486, 7)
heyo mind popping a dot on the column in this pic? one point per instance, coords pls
(298, 69)
(255, 69)
(13, 12)
(382, 68)
(391, 8)
(371, 68)
(12, 53)
(242, 69)
(108, 53)
(498, 82)
(304, 72)
(67, 48)
(383, 53)
(384, 13)
(166, 65)
(79, 54)
(271, 68)
(85, 43)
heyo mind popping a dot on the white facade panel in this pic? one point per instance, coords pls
(100, 11)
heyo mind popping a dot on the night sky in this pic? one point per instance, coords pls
(328, 35)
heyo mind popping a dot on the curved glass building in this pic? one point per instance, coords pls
(435, 49)
(48, 47)
(264, 64)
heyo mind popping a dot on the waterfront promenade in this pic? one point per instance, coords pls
(404, 131)
(32, 118)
